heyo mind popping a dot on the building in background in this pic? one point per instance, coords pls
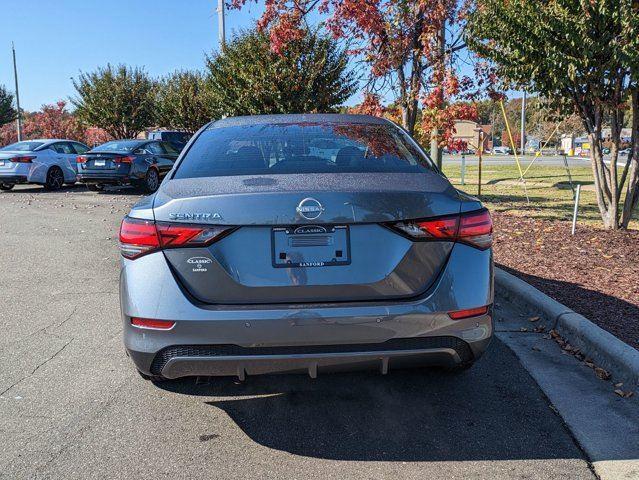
(467, 131)
(567, 144)
(582, 146)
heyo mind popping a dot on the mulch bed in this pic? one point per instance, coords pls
(594, 272)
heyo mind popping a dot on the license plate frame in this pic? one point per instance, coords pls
(99, 163)
(310, 246)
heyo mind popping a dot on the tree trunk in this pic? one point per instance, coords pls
(593, 116)
(616, 122)
(632, 191)
(436, 152)
(405, 103)
(409, 115)
(605, 201)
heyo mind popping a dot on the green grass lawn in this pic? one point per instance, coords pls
(548, 188)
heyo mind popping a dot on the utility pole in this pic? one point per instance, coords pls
(15, 76)
(523, 125)
(480, 153)
(220, 24)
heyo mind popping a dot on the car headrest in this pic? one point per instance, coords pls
(347, 156)
(250, 157)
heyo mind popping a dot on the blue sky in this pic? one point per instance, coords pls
(55, 40)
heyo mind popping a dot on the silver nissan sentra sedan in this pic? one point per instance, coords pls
(304, 243)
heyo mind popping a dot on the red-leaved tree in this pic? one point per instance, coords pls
(53, 121)
(409, 50)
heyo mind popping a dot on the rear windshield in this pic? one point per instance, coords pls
(22, 147)
(118, 146)
(301, 148)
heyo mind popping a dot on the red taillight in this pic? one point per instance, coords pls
(474, 228)
(126, 159)
(440, 228)
(152, 323)
(22, 159)
(81, 159)
(468, 313)
(176, 235)
(138, 237)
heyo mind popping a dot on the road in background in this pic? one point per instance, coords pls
(549, 161)
(72, 406)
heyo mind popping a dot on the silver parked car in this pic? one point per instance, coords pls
(48, 162)
(308, 243)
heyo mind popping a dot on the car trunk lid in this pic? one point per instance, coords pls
(337, 250)
(103, 160)
(274, 199)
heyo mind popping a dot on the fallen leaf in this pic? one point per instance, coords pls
(619, 385)
(602, 374)
(533, 319)
(623, 394)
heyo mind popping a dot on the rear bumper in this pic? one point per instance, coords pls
(13, 179)
(231, 360)
(227, 340)
(113, 179)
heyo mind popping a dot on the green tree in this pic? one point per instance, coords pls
(7, 112)
(311, 75)
(120, 100)
(183, 101)
(584, 56)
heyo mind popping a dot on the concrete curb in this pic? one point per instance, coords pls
(606, 350)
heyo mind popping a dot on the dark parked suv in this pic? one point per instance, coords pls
(126, 162)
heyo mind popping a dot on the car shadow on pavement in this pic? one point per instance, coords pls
(494, 411)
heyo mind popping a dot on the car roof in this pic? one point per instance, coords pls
(138, 140)
(50, 140)
(298, 118)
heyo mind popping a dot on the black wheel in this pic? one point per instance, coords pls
(55, 179)
(95, 187)
(6, 186)
(152, 378)
(151, 181)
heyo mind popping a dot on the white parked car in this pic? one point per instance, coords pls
(502, 151)
(48, 162)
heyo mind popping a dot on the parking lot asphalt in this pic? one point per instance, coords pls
(72, 406)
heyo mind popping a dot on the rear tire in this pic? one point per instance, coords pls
(152, 378)
(151, 181)
(55, 179)
(93, 187)
(6, 186)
